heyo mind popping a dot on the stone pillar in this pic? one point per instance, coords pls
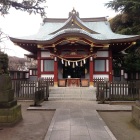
(91, 65)
(55, 72)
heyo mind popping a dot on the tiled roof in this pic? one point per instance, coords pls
(102, 28)
(50, 30)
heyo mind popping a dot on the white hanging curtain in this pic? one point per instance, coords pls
(65, 63)
(84, 61)
(69, 63)
(73, 65)
(62, 61)
(81, 64)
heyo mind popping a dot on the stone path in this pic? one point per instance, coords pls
(78, 124)
(79, 119)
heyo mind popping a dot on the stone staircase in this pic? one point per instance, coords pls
(72, 93)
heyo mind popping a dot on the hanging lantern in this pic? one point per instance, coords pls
(65, 63)
(62, 61)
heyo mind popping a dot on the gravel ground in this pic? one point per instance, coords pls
(121, 126)
(34, 125)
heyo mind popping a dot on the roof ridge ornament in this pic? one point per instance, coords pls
(73, 13)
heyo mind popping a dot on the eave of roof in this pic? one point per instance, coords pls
(102, 38)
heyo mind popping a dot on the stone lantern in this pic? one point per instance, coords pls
(10, 112)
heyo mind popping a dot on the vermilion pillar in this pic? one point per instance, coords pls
(39, 64)
(55, 72)
(110, 66)
(91, 70)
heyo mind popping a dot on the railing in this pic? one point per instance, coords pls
(50, 80)
(125, 90)
(96, 80)
(118, 90)
(25, 90)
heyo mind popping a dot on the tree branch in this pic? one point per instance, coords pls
(26, 5)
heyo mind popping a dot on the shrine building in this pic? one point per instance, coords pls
(75, 50)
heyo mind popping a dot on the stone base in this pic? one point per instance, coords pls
(8, 104)
(10, 116)
(136, 115)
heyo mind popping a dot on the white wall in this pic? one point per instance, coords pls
(47, 75)
(100, 76)
(45, 54)
(102, 53)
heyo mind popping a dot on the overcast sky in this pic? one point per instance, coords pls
(19, 23)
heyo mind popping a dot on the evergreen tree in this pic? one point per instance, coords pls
(3, 63)
(128, 21)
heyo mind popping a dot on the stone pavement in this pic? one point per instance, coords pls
(79, 120)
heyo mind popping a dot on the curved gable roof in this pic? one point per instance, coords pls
(98, 29)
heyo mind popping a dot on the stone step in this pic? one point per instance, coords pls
(71, 98)
(60, 95)
(69, 93)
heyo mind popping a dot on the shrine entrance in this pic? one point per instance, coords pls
(76, 72)
(73, 73)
